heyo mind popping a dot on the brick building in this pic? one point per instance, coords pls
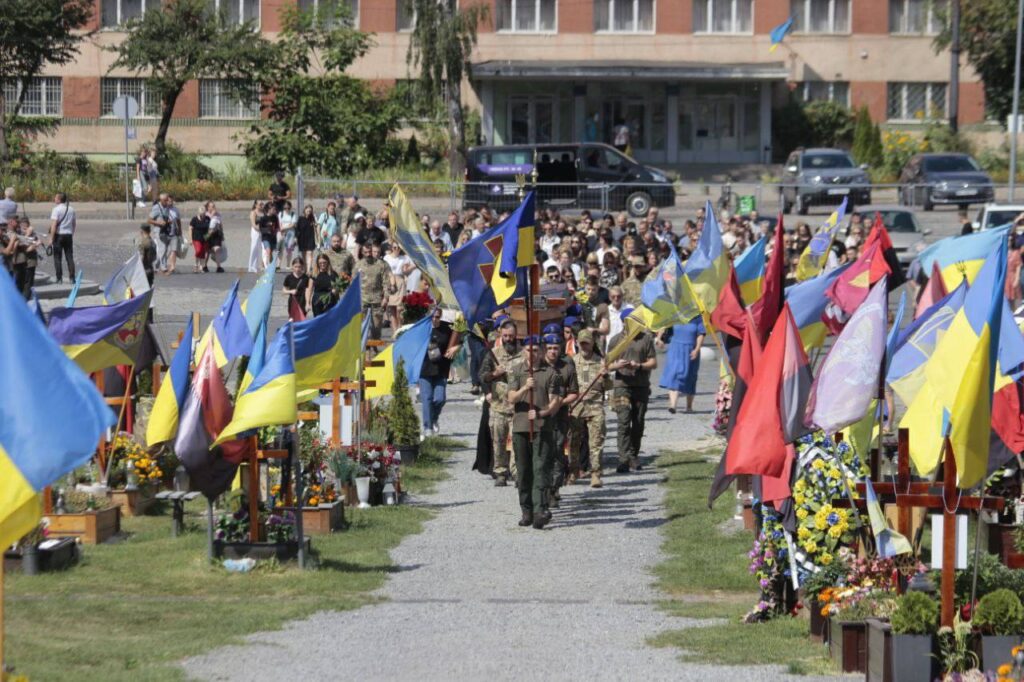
(694, 80)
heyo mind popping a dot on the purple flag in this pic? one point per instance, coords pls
(848, 379)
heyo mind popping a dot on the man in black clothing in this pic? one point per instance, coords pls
(279, 191)
(453, 228)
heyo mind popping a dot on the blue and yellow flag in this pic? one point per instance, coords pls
(807, 302)
(779, 32)
(962, 256)
(97, 337)
(270, 399)
(229, 332)
(407, 230)
(750, 267)
(665, 295)
(410, 347)
(483, 272)
(163, 419)
(257, 304)
(815, 255)
(707, 268)
(51, 415)
(328, 346)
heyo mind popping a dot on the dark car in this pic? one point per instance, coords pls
(589, 175)
(823, 177)
(930, 179)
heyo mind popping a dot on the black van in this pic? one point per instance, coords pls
(581, 175)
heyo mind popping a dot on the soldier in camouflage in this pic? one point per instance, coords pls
(495, 370)
(375, 276)
(587, 414)
(631, 393)
(554, 357)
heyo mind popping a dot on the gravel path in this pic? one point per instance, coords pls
(480, 598)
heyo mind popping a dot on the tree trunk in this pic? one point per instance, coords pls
(456, 130)
(169, 100)
(5, 151)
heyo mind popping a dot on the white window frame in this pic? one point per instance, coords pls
(805, 91)
(146, 6)
(355, 13)
(804, 7)
(153, 101)
(536, 18)
(708, 28)
(903, 116)
(218, 4)
(636, 17)
(214, 87)
(931, 24)
(50, 88)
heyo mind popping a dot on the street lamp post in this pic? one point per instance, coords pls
(1014, 126)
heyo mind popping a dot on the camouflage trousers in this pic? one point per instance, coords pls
(501, 425)
(376, 315)
(630, 405)
(593, 428)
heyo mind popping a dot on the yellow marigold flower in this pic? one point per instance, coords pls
(801, 513)
(835, 531)
(818, 464)
(810, 546)
(825, 559)
(834, 473)
(802, 533)
(1004, 669)
(820, 522)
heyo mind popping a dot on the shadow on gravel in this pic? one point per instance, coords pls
(448, 505)
(335, 565)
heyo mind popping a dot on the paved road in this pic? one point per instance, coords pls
(477, 597)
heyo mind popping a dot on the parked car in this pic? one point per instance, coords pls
(996, 215)
(823, 177)
(930, 179)
(587, 175)
(908, 237)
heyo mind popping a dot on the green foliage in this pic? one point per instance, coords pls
(988, 39)
(999, 613)
(955, 654)
(867, 140)
(916, 614)
(185, 40)
(939, 137)
(403, 425)
(992, 575)
(181, 165)
(830, 124)
(827, 576)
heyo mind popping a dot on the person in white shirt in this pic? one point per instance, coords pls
(615, 307)
(286, 241)
(401, 266)
(549, 241)
(437, 233)
(62, 232)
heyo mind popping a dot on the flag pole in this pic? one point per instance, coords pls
(297, 463)
(706, 318)
(2, 667)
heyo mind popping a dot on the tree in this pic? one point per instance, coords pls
(34, 34)
(861, 135)
(320, 118)
(440, 47)
(988, 36)
(185, 40)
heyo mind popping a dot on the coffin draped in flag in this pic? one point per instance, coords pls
(207, 410)
(410, 347)
(772, 412)
(170, 399)
(97, 337)
(849, 375)
(51, 415)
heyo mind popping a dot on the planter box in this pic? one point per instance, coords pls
(819, 623)
(55, 558)
(410, 453)
(260, 551)
(848, 644)
(322, 520)
(994, 650)
(91, 527)
(899, 658)
(132, 502)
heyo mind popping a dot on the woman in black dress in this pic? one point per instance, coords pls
(296, 285)
(323, 292)
(215, 237)
(305, 235)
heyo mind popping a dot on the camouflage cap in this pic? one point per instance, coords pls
(585, 335)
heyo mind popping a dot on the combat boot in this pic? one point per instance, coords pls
(595, 481)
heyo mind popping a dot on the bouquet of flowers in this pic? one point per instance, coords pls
(125, 451)
(723, 405)
(233, 527)
(415, 306)
(280, 527)
(339, 283)
(379, 461)
(769, 563)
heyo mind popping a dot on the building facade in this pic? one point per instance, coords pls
(694, 81)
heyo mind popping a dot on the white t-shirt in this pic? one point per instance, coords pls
(621, 135)
(396, 263)
(65, 215)
(615, 323)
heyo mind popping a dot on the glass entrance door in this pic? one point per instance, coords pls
(531, 120)
(715, 127)
(631, 113)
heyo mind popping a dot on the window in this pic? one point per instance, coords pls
(723, 16)
(42, 98)
(821, 16)
(826, 91)
(916, 101)
(406, 15)
(915, 17)
(239, 11)
(112, 88)
(116, 12)
(626, 16)
(329, 7)
(526, 15)
(218, 100)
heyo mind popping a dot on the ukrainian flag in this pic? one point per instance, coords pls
(750, 268)
(163, 419)
(665, 296)
(328, 346)
(229, 332)
(807, 302)
(270, 398)
(51, 415)
(256, 306)
(410, 347)
(97, 337)
(962, 256)
(407, 230)
(815, 255)
(707, 268)
(779, 32)
(483, 271)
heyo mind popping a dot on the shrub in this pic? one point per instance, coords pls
(829, 124)
(897, 148)
(403, 426)
(939, 137)
(862, 127)
(999, 613)
(916, 614)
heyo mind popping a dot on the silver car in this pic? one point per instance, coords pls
(908, 238)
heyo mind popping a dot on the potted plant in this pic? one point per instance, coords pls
(955, 655)
(134, 474)
(826, 578)
(848, 639)
(276, 530)
(901, 650)
(403, 426)
(998, 621)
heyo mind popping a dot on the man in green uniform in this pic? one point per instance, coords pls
(374, 275)
(341, 260)
(631, 391)
(495, 370)
(555, 358)
(534, 455)
(587, 414)
(632, 286)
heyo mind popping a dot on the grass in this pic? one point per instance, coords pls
(133, 610)
(706, 578)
